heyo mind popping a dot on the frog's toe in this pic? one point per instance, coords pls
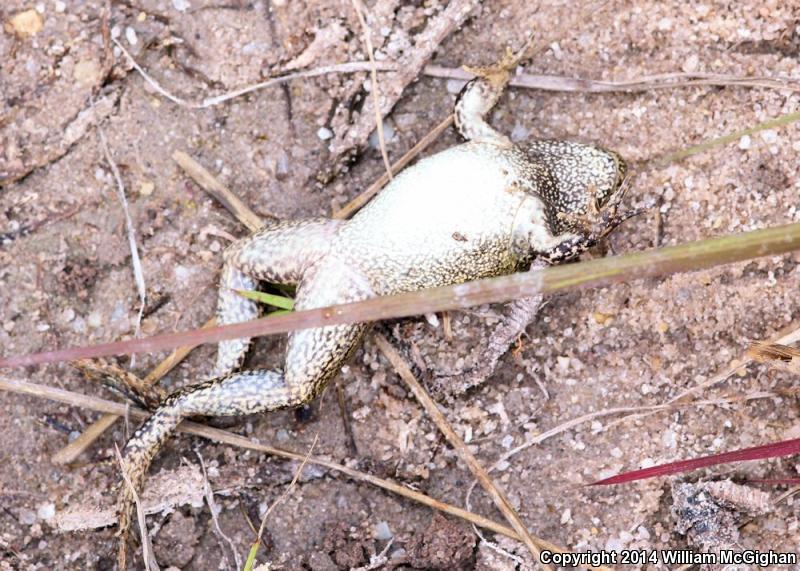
(122, 382)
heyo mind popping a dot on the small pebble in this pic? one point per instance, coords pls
(46, 511)
(146, 188)
(744, 142)
(27, 517)
(382, 531)
(324, 133)
(130, 35)
(95, 319)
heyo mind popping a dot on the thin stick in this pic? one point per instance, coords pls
(136, 262)
(214, 510)
(225, 437)
(786, 336)
(525, 80)
(212, 186)
(350, 67)
(497, 495)
(376, 95)
(560, 83)
(354, 205)
(593, 273)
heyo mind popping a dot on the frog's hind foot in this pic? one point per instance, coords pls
(480, 95)
(142, 393)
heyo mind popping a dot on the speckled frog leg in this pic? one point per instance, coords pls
(313, 357)
(480, 95)
(279, 253)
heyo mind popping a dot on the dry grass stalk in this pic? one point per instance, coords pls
(136, 262)
(602, 271)
(150, 563)
(498, 497)
(208, 493)
(676, 80)
(776, 355)
(251, 557)
(360, 9)
(216, 189)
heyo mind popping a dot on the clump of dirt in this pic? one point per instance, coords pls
(344, 547)
(444, 544)
(175, 543)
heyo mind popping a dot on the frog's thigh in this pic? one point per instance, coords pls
(314, 356)
(279, 253)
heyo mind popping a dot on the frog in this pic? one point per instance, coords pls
(485, 207)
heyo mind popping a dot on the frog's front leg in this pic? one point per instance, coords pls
(480, 95)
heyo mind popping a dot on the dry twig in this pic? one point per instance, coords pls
(251, 557)
(498, 497)
(376, 93)
(136, 262)
(208, 493)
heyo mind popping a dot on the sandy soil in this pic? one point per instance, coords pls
(66, 274)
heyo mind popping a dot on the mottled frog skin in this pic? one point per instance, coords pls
(484, 208)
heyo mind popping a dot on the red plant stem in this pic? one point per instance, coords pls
(773, 450)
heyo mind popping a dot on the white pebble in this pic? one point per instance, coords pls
(27, 517)
(691, 63)
(46, 511)
(382, 531)
(130, 35)
(95, 319)
(455, 85)
(744, 142)
(180, 5)
(566, 516)
(60, 6)
(324, 133)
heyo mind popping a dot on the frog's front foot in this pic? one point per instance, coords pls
(591, 226)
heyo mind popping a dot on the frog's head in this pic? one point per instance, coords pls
(584, 177)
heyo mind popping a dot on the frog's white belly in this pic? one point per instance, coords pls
(446, 220)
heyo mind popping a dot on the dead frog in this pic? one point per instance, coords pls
(484, 208)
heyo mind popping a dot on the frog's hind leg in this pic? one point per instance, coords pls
(480, 95)
(279, 253)
(313, 357)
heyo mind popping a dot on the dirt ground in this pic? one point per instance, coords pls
(65, 270)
